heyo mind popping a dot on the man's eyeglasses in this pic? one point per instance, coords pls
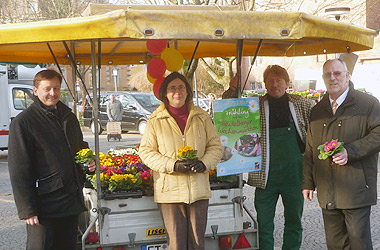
(174, 88)
(334, 73)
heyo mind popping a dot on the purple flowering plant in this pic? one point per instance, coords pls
(330, 148)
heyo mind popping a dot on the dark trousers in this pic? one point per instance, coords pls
(185, 224)
(53, 234)
(348, 229)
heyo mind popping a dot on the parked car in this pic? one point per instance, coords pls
(137, 109)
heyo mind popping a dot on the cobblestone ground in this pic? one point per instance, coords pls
(313, 229)
(13, 235)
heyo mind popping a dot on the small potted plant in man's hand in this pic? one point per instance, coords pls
(329, 149)
(85, 157)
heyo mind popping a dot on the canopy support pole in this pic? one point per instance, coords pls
(99, 63)
(239, 55)
(196, 88)
(74, 81)
(60, 70)
(253, 60)
(192, 57)
(71, 58)
(96, 119)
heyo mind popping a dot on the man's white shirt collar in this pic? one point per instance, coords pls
(341, 98)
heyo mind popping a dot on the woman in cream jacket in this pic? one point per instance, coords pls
(181, 188)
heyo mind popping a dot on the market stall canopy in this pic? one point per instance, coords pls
(123, 34)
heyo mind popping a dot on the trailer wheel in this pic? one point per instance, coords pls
(141, 127)
(100, 129)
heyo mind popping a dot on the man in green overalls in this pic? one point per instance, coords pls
(284, 119)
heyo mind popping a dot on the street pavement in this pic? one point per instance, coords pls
(12, 230)
(313, 229)
(13, 235)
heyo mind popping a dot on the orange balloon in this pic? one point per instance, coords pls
(150, 79)
(173, 59)
(157, 85)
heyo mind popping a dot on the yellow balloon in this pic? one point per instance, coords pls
(150, 79)
(172, 58)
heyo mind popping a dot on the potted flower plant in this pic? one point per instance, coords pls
(122, 173)
(329, 149)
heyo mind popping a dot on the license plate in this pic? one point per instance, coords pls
(155, 247)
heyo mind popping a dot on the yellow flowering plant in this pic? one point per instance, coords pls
(187, 153)
(104, 180)
(84, 156)
(125, 182)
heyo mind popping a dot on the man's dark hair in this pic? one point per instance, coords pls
(46, 74)
(163, 89)
(276, 70)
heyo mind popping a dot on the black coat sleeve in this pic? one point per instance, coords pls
(20, 164)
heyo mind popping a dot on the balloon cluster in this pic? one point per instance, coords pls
(169, 59)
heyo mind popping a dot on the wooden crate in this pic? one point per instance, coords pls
(113, 130)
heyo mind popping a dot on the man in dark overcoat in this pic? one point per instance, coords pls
(46, 182)
(346, 182)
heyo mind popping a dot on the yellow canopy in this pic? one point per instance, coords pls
(123, 35)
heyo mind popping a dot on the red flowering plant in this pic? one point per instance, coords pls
(123, 170)
(147, 181)
(329, 149)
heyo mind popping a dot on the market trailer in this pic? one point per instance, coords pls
(119, 37)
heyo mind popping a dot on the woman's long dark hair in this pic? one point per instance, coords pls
(163, 89)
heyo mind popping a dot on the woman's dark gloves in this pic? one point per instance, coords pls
(198, 167)
(189, 165)
(183, 166)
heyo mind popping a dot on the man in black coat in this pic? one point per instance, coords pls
(346, 182)
(46, 182)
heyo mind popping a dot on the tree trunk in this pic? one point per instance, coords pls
(189, 74)
(224, 79)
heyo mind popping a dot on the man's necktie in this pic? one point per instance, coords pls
(334, 106)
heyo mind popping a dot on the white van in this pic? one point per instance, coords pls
(15, 96)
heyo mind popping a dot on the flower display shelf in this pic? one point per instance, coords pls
(108, 195)
(223, 185)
